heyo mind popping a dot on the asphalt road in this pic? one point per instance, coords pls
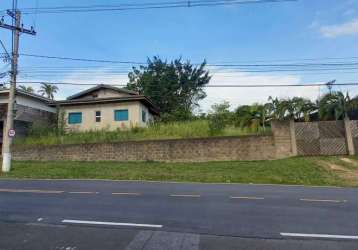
(149, 215)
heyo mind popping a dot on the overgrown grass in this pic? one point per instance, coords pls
(157, 131)
(297, 170)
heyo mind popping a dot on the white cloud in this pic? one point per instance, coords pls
(241, 96)
(236, 96)
(348, 28)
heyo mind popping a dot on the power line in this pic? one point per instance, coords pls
(206, 86)
(145, 6)
(247, 61)
(214, 64)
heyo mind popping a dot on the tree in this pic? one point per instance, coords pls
(334, 106)
(219, 117)
(296, 108)
(48, 90)
(302, 108)
(250, 116)
(281, 108)
(175, 87)
(28, 89)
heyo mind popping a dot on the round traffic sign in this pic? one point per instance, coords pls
(12, 132)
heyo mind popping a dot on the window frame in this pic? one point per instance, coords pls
(144, 116)
(74, 122)
(119, 119)
(98, 118)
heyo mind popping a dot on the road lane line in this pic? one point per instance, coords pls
(87, 222)
(136, 194)
(186, 195)
(82, 192)
(247, 198)
(31, 191)
(317, 200)
(330, 236)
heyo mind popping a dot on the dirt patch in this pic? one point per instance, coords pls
(332, 166)
(349, 175)
(350, 161)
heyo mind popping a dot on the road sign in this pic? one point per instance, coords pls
(12, 132)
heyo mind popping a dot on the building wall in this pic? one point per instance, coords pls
(29, 102)
(107, 116)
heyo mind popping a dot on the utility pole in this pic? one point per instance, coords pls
(9, 131)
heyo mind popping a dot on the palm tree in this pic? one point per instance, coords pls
(281, 108)
(28, 89)
(249, 116)
(334, 106)
(48, 90)
(302, 108)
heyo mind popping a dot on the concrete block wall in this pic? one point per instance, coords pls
(181, 150)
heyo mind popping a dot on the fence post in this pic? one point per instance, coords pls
(349, 136)
(293, 137)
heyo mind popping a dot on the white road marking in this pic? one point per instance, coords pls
(316, 200)
(137, 194)
(110, 223)
(82, 192)
(185, 195)
(31, 191)
(248, 198)
(320, 236)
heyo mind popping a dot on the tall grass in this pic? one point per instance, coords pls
(156, 131)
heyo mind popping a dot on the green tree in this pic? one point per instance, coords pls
(175, 87)
(219, 117)
(334, 106)
(281, 108)
(48, 90)
(302, 108)
(251, 116)
(28, 89)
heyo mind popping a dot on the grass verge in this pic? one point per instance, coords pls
(297, 170)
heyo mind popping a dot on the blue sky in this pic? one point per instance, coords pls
(240, 34)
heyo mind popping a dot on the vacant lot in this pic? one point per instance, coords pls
(338, 171)
(157, 131)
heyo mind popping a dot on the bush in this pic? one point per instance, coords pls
(216, 124)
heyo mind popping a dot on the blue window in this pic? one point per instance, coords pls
(121, 115)
(75, 118)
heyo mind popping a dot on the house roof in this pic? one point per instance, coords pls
(101, 86)
(136, 97)
(28, 94)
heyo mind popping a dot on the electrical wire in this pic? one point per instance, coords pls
(207, 86)
(144, 6)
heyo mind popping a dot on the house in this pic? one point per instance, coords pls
(30, 108)
(106, 107)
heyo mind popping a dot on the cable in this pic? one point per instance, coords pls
(214, 65)
(144, 6)
(207, 86)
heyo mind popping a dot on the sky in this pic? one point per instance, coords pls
(270, 33)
